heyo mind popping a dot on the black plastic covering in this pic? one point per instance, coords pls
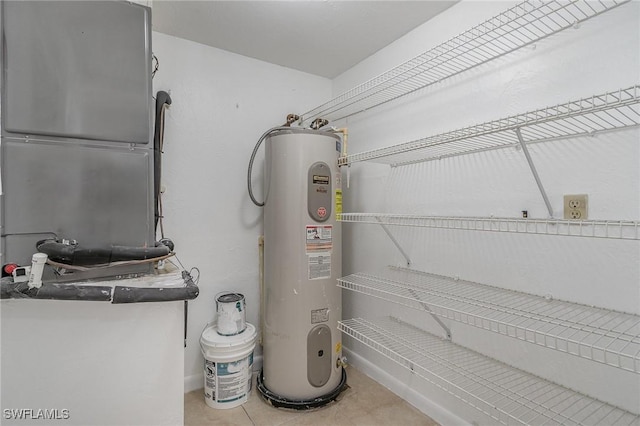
(115, 294)
(73, 254)
(300, 404)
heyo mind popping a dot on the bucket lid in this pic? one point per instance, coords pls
(230, 297)
(210, 337)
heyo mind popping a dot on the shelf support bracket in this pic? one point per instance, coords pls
(532, 166)
(428, 309)
(394, 241)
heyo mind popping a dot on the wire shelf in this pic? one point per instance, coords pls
(506, 394)
(521, 25)
(613, 229)
(598, 113)
(597, 334)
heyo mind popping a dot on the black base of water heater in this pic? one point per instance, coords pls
(294, 404)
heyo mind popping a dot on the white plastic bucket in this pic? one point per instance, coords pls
(228, 361)
(230, 308)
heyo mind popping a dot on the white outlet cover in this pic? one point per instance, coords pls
(576, 207)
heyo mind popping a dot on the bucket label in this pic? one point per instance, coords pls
(226, 382)
(210, 379)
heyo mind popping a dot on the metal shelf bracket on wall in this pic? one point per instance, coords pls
(394, 241)
(532, 167)
(408, 260)
(426, 307)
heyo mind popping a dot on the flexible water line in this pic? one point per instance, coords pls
(253, 156)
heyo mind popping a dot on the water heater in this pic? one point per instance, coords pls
(302, 259)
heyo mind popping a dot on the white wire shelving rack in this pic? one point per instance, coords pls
(519, 26)
(613, 229)
(506, 394)
(583, 117)
(598, 334)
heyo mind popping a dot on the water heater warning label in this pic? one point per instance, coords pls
(319, 266)
(319, 315)
(318, 239)
(318, 248)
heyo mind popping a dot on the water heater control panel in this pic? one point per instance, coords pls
(319, 192)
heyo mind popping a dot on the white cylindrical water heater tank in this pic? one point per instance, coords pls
(302, 260)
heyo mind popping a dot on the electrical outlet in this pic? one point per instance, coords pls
(576, 207)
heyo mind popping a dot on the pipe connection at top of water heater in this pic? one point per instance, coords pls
(291, 118)
(318, 123)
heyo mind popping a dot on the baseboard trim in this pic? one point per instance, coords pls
(193, 382)
(422, 403)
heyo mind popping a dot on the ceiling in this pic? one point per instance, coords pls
(324, 37)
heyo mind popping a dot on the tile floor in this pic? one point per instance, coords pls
(364, 402)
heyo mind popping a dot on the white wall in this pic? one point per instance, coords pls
(222, 103)
(601, 55)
